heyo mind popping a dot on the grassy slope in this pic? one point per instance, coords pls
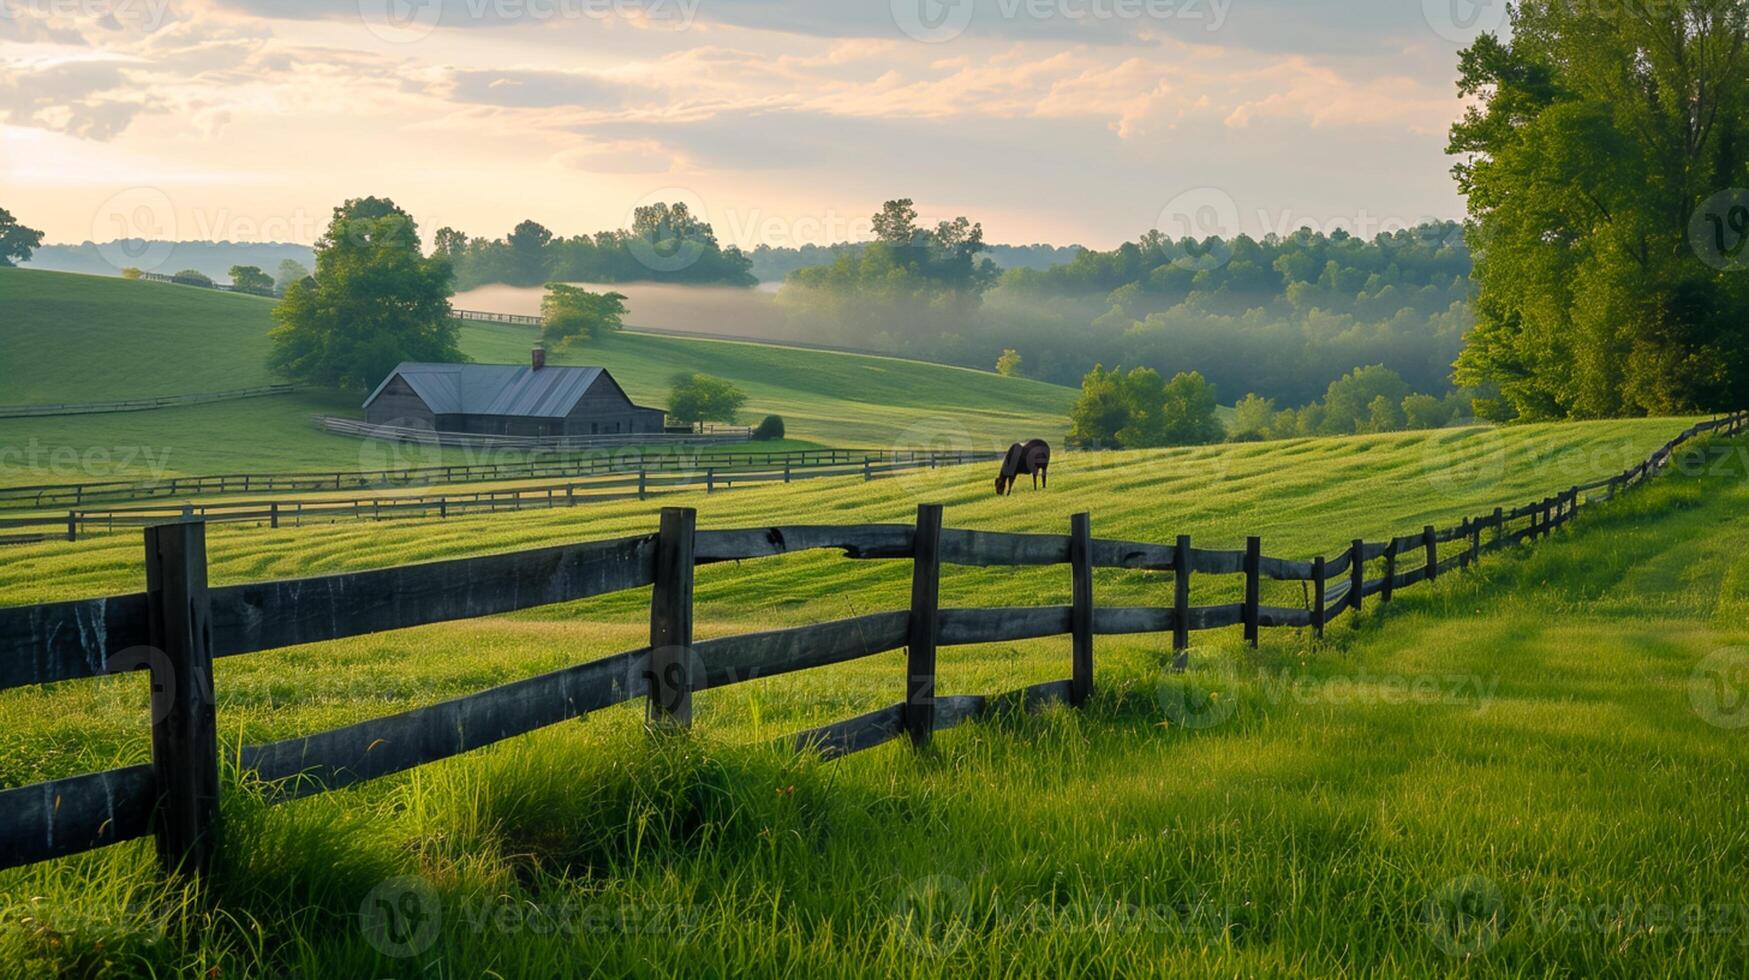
(86, 338)
(1521, 739)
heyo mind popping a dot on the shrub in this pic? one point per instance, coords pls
(770, 427)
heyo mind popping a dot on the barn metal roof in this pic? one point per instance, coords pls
(495, 389)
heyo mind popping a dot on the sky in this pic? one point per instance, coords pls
(781, 121)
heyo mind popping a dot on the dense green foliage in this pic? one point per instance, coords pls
(1279, 316)
(1599, 166)
(768, 429)
(251, 279)
(695, 397)
(192, 277)
(17, 242)
(374, 302)
(1138, 410)
(666, 243)
(774, 263)
(571, 314)
(290, 271)
(1323, 821)
(1366, 400)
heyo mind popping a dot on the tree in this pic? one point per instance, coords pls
(528, 242)
(1348, 401)
(895, 223)
(1008, 365)
(290, 271)
(1188, 412)
(449, 243)
(16, 241)
(1595, 159)
(1100, 412)
(374, 302)
(1383, 415)
(1425, 412)
(250, 278)
(1253, 418)
(697, 397)
(192, 277)
(571, 314)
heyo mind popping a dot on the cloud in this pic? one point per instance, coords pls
(88, 99)
(533, 89)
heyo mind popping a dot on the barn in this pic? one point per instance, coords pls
(509, 400)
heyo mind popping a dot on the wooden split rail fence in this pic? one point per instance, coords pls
(641, 485)
(144, 404)
(180, 623)
(599, 463)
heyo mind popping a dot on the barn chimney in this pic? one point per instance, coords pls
(538, 357)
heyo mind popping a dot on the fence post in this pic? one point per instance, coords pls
(1081, 612)
(643, 478)
(1253, 561)
(925, 626)
(1475, 554)
(185, 738)
(1499, 524)
(710, 479)
(1356, 573)
(786, 472)
(1390, 571)
(72, 525)
(273, 515)
(570, 495)
(1427, 538)
(867, 474)
(1181, 602)
(1318, 597)
(443, 508)
(670, 701)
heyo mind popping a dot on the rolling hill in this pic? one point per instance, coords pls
(76, 338)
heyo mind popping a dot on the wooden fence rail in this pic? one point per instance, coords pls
(641, 485)
(179, 624)
(143, 404)
(623, 460)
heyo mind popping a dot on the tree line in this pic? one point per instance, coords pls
(666, 243)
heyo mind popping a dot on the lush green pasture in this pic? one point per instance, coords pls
(1523, 744)
(70, 338)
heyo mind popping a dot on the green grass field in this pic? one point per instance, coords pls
(87, 338)
(1543, 745)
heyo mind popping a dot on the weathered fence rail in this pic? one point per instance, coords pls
(144, 404)
(179, 624)
(703, 435)
(642, 484)
(623, 460)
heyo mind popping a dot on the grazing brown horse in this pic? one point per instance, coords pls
(1033, 457)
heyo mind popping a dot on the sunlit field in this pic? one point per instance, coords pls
(1386, 801)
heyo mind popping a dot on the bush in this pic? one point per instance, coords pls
(192, 277)
(131, 273)
(770, 427)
